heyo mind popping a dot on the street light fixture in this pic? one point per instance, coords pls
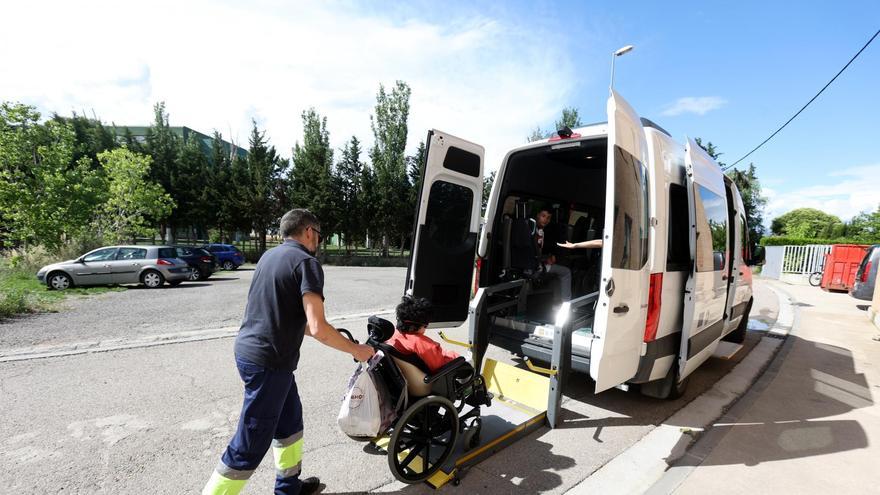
(615, 54)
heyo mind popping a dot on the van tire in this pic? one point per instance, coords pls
(739, 334)
(668, 387)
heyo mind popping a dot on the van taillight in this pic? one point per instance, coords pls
(866, 272)
(654, 292)
(477, 275)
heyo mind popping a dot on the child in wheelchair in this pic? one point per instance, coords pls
(443, 393)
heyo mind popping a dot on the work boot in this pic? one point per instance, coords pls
(311, 485)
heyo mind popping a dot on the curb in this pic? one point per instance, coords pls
(44, 352)
(648, 461)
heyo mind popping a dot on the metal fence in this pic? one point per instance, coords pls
(794, 260)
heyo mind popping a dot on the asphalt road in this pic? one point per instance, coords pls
(156, 419)
(214, 303)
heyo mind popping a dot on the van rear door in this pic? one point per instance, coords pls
(446, 225)
(623, 298)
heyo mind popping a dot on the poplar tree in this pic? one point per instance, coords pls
(311, 175)
(389, 126)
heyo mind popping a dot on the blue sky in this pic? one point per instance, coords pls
(728, 72)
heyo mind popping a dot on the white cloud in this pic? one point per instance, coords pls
(699, 105)
(857, 189)
(219, 66)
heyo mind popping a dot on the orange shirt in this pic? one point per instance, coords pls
(424, 347)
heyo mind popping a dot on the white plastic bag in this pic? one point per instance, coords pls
(360, 414)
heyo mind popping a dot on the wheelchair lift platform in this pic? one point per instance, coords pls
(519, 406)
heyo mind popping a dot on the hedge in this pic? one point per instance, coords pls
(803, 241)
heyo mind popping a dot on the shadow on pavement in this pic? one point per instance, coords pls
(788, 419)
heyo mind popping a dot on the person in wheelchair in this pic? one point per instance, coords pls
(413, 316)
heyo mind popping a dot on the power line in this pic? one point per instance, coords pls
(808, 103)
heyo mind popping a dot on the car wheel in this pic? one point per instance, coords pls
(59, 281)
(152, 279)
(195, 274)
(229, 265)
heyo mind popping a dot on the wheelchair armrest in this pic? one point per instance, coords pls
(446, 369)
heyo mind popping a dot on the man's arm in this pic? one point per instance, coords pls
(595, 243)
(324, 333)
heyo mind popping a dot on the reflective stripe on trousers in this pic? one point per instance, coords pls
(288, 455)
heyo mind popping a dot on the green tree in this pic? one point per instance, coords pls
(570, 119)
(750, 190)
(163, 146)
(536, 135)
(805, 222)
(218, 195)
(189, 180)
(864, 227)
(389, 126)
(45, 196)
(349, 175)
(311, 177)
(91, 136)
(264, 172)
(132, 198)
(488, 181)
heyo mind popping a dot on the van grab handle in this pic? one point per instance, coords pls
(454, 342)
(539, 369)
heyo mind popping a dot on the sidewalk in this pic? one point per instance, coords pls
(810, 424)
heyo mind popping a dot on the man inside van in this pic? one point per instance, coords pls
(546, 253)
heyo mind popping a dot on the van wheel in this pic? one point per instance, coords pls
(678, 388)
(739, 334)
(667, 387)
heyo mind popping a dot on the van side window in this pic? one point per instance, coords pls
(629, 246)
(711, 212)
(677, 253)
(744, 235)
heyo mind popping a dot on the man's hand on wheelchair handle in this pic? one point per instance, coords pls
(362, 352)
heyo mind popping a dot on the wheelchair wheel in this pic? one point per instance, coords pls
(423, 439)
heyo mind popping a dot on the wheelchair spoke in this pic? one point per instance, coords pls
(409, 458)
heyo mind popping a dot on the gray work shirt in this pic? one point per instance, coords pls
(274, 322)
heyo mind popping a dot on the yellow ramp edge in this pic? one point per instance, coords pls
(509, 383)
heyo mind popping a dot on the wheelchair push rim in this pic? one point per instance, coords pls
(423, 439)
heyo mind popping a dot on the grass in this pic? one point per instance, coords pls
(21, 292)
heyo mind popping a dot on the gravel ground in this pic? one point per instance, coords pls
(215, 303)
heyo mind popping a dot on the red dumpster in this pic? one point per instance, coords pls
(841, 265)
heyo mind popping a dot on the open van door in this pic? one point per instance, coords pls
(688, 321)
(446, 226)
(622, 308)
(706, 288)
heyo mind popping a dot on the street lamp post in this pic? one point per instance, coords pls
(615, 54)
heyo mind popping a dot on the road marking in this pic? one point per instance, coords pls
(43, 352)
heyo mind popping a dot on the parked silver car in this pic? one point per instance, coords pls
(148, 265)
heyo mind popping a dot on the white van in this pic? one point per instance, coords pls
(671, 280)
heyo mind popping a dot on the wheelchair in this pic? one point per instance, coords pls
(438, 408)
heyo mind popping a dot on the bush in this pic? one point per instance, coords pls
(803, 241)
(14, 302)
(374, 261)
(29, 259)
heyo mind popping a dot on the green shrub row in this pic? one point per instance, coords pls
(803, 241)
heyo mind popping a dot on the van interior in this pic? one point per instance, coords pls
(569, 179)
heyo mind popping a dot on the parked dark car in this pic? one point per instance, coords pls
(202, 262)
(228, 256)
(866, 276)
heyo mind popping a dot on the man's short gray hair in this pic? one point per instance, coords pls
(296, 221)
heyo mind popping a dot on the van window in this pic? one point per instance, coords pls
(448, 218)
(630, 243)
(462, 161)
(744, 238)
(711, 212)
(677, 253)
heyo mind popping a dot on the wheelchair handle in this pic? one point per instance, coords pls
(347, 334)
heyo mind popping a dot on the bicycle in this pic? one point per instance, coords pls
(815, 278)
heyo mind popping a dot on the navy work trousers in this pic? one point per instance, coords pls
(270, 416)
